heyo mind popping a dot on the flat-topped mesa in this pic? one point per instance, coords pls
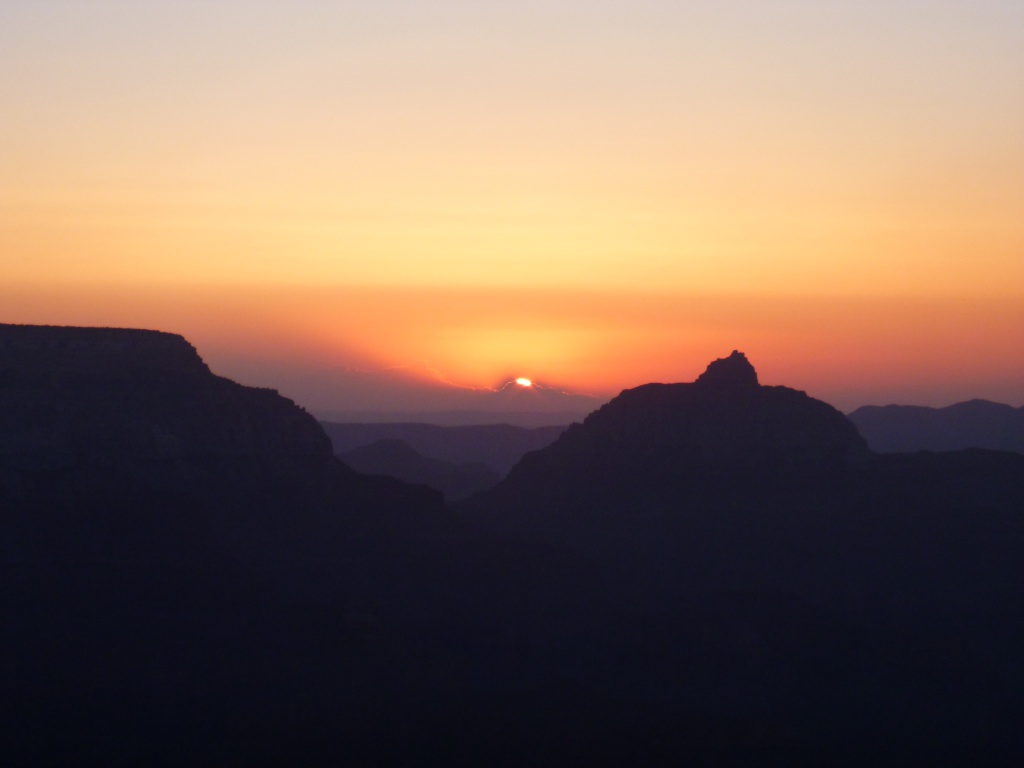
(732, 371)
(95, 352)
(118, 397)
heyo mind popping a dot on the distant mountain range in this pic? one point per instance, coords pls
(717, 573)
(973, 424)
(456, 481)
(460, 418)
(458, 461)
(887, 429)
(499, 446)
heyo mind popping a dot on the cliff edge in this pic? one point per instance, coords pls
(107, 397)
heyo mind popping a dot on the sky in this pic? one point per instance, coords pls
(403, 205)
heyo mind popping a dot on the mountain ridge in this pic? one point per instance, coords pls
(121, 440)
(396, 458)
(972, 423)
(499, 446)
(717, 571)
(724, 421)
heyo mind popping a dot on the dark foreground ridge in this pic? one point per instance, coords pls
(716, 573)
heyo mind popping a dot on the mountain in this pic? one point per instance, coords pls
(119, 398)
(793, 575)
(397, 459)
(717, 572)
(499, 446)
(972, 424)
(666, 437)
(128, 443)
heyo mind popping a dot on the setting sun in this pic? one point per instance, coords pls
(524, 382)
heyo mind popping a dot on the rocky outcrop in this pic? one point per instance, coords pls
(723, 423)
(732, 371)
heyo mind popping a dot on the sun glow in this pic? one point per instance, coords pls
(524, 382)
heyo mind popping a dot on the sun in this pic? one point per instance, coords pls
(524, 382)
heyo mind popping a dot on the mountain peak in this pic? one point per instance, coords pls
(720, 425)
(732, 371)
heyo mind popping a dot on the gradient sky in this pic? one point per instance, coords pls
(592, 194)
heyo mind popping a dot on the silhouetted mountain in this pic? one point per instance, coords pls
(122, 398)
(116, 442)
(397, 459)
(973, 424)
(795, 576)
(723, 424)
(498, 446)
(716, 572)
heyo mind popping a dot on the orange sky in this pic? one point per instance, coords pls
(589, 194)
